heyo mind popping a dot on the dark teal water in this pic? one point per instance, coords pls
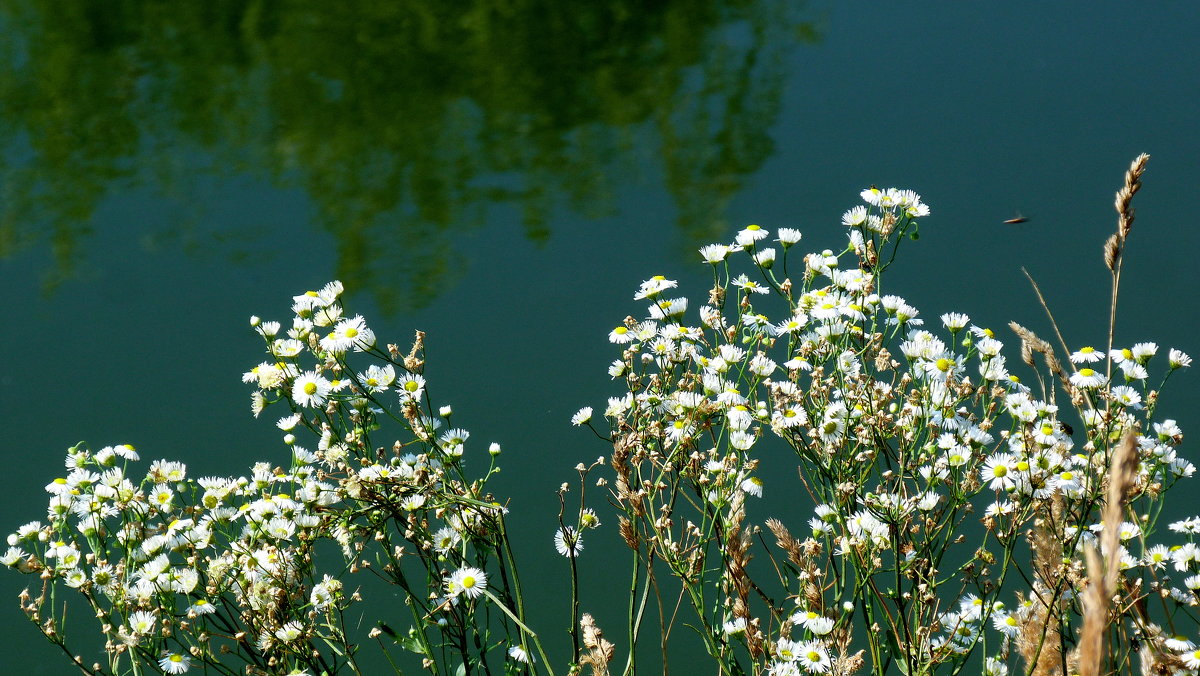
(503, 175)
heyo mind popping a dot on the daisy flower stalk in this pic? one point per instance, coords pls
(833, 484)
(180, 567)
(898, 431)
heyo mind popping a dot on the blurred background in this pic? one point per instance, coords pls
(502, 175)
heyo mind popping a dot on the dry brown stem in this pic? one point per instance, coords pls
(1039, 642)
(599, 651)
(1114, 248)
(1133, 183)
(1031, 343)
(789, 544)
(1104, 566)
(412, 362)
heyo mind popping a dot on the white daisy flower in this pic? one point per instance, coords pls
(175, 663)
(349, 334)
(751, 234)
(518, 654)
(289, 632)
(141, 622)
(955, 321)
(1178, 359)
(746, 284)
(621, 335)
(582, 416)
(814, 657)
(469, 582)
(311, 390)
(1086, 378)
(668, 308)
(201, 607)
(568, 542)
(1142, 352)
(855, 217)
(286, 347)
(654, 286)
(1007, 624)
(788, 236)
(378, 378)
(752, 485)
(764, 258)
(411, 387)
(714, 253)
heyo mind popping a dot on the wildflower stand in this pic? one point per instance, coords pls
(905, 436)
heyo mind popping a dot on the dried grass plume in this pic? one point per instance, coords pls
(1103, 566)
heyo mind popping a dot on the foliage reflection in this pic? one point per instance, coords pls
(402, 122)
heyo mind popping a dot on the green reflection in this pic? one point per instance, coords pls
(403, 122)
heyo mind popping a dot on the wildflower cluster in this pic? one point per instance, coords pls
(181, 570)
(178, 569)
(908, 437)
(955, 508)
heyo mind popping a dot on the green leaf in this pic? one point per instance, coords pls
(897, 654)
(410, 642)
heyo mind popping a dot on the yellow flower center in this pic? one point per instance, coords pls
(310, 388)
(351, 332)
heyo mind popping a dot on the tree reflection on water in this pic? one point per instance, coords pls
(402, 122)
